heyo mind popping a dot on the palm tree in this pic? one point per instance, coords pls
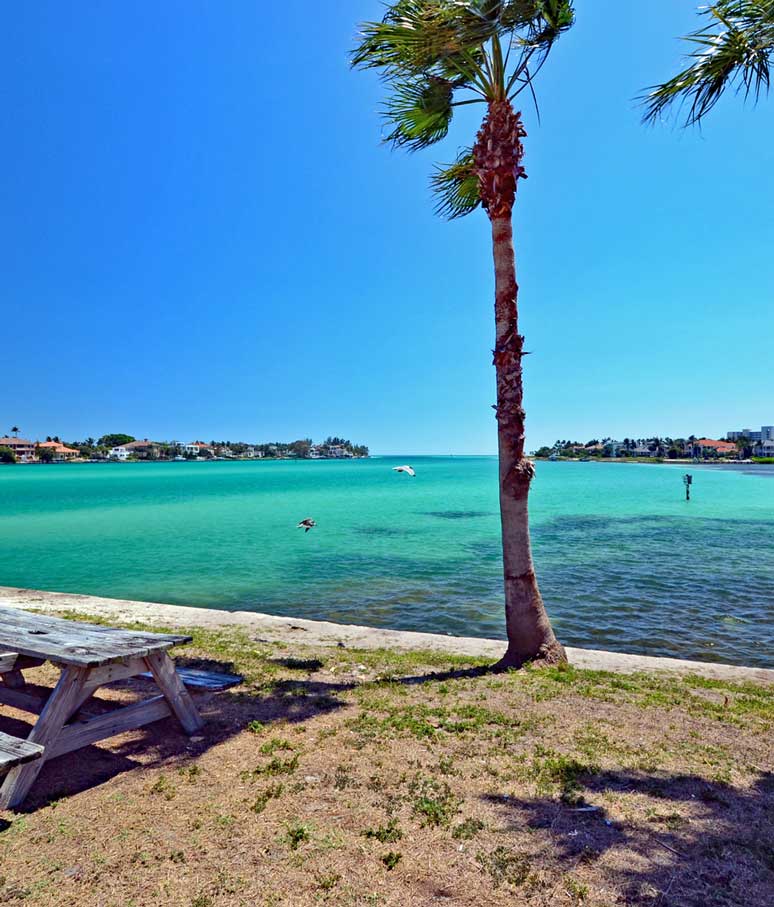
(435, 56)
(734, 49)
(15, 431)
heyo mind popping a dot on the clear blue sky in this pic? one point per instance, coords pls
(202, 236)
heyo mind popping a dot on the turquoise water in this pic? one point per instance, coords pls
(624, 563)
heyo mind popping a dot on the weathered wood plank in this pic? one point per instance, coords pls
(25, 702)
(76, 643)
(205, 680)
(14, 751)
(8, 661)
(12, 661)
(163, 669)
(59, 707)
(83, 733)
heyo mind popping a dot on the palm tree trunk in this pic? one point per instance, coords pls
(498, 153)
(530, 636)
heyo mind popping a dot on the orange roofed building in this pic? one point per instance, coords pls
(722, 447)
(61, 451)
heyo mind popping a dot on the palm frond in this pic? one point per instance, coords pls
(734, 50)
(456, 187)
(417, 35)
(420, 110)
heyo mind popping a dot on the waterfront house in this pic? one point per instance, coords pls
(198, 449)
(24, 449)
(142, 450)
(704, 447)
(339, 451)
(61, 451)
(764, 448)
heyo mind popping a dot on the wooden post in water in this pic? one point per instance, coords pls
(687, 481)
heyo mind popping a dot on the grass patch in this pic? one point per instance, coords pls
(386, 834)
(467, 829)
(297, 834)
(504, 866)
(433, 801)
(272, 792)
(391, 859)
(551, 771)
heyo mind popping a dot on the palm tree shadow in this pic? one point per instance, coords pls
(697, 843)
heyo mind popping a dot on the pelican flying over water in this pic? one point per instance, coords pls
(407, 469)
(306, 524)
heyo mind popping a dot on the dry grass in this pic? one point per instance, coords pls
(370, 778)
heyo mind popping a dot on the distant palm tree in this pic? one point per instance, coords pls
(15, 431)
(734, 49)
(435, 56)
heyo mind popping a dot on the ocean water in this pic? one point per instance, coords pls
(624, 562)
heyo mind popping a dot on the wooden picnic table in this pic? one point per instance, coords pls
(88, 656)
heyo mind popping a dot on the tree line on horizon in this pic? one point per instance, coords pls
(666, 447)
(90, 447)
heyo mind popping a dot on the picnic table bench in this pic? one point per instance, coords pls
(89, 657)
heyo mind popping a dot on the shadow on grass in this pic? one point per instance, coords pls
(691, 842)
(226, 714)
(298, 664)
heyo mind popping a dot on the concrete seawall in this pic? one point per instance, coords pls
(320, 632)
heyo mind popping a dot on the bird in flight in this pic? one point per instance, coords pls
(306, 524)
(409, 470)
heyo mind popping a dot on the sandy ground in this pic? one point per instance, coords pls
(324, 633)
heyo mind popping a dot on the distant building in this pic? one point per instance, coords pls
(61, 451)
(339, 452)
(198, 449)
(142, 450)
(702, 446)
(764, 448)
(765, 434)
(24, 449)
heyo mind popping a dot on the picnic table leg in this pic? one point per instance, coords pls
(59, 707)
(163, 669)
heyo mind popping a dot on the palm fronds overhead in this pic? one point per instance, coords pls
(733, 50)
(436, 55)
